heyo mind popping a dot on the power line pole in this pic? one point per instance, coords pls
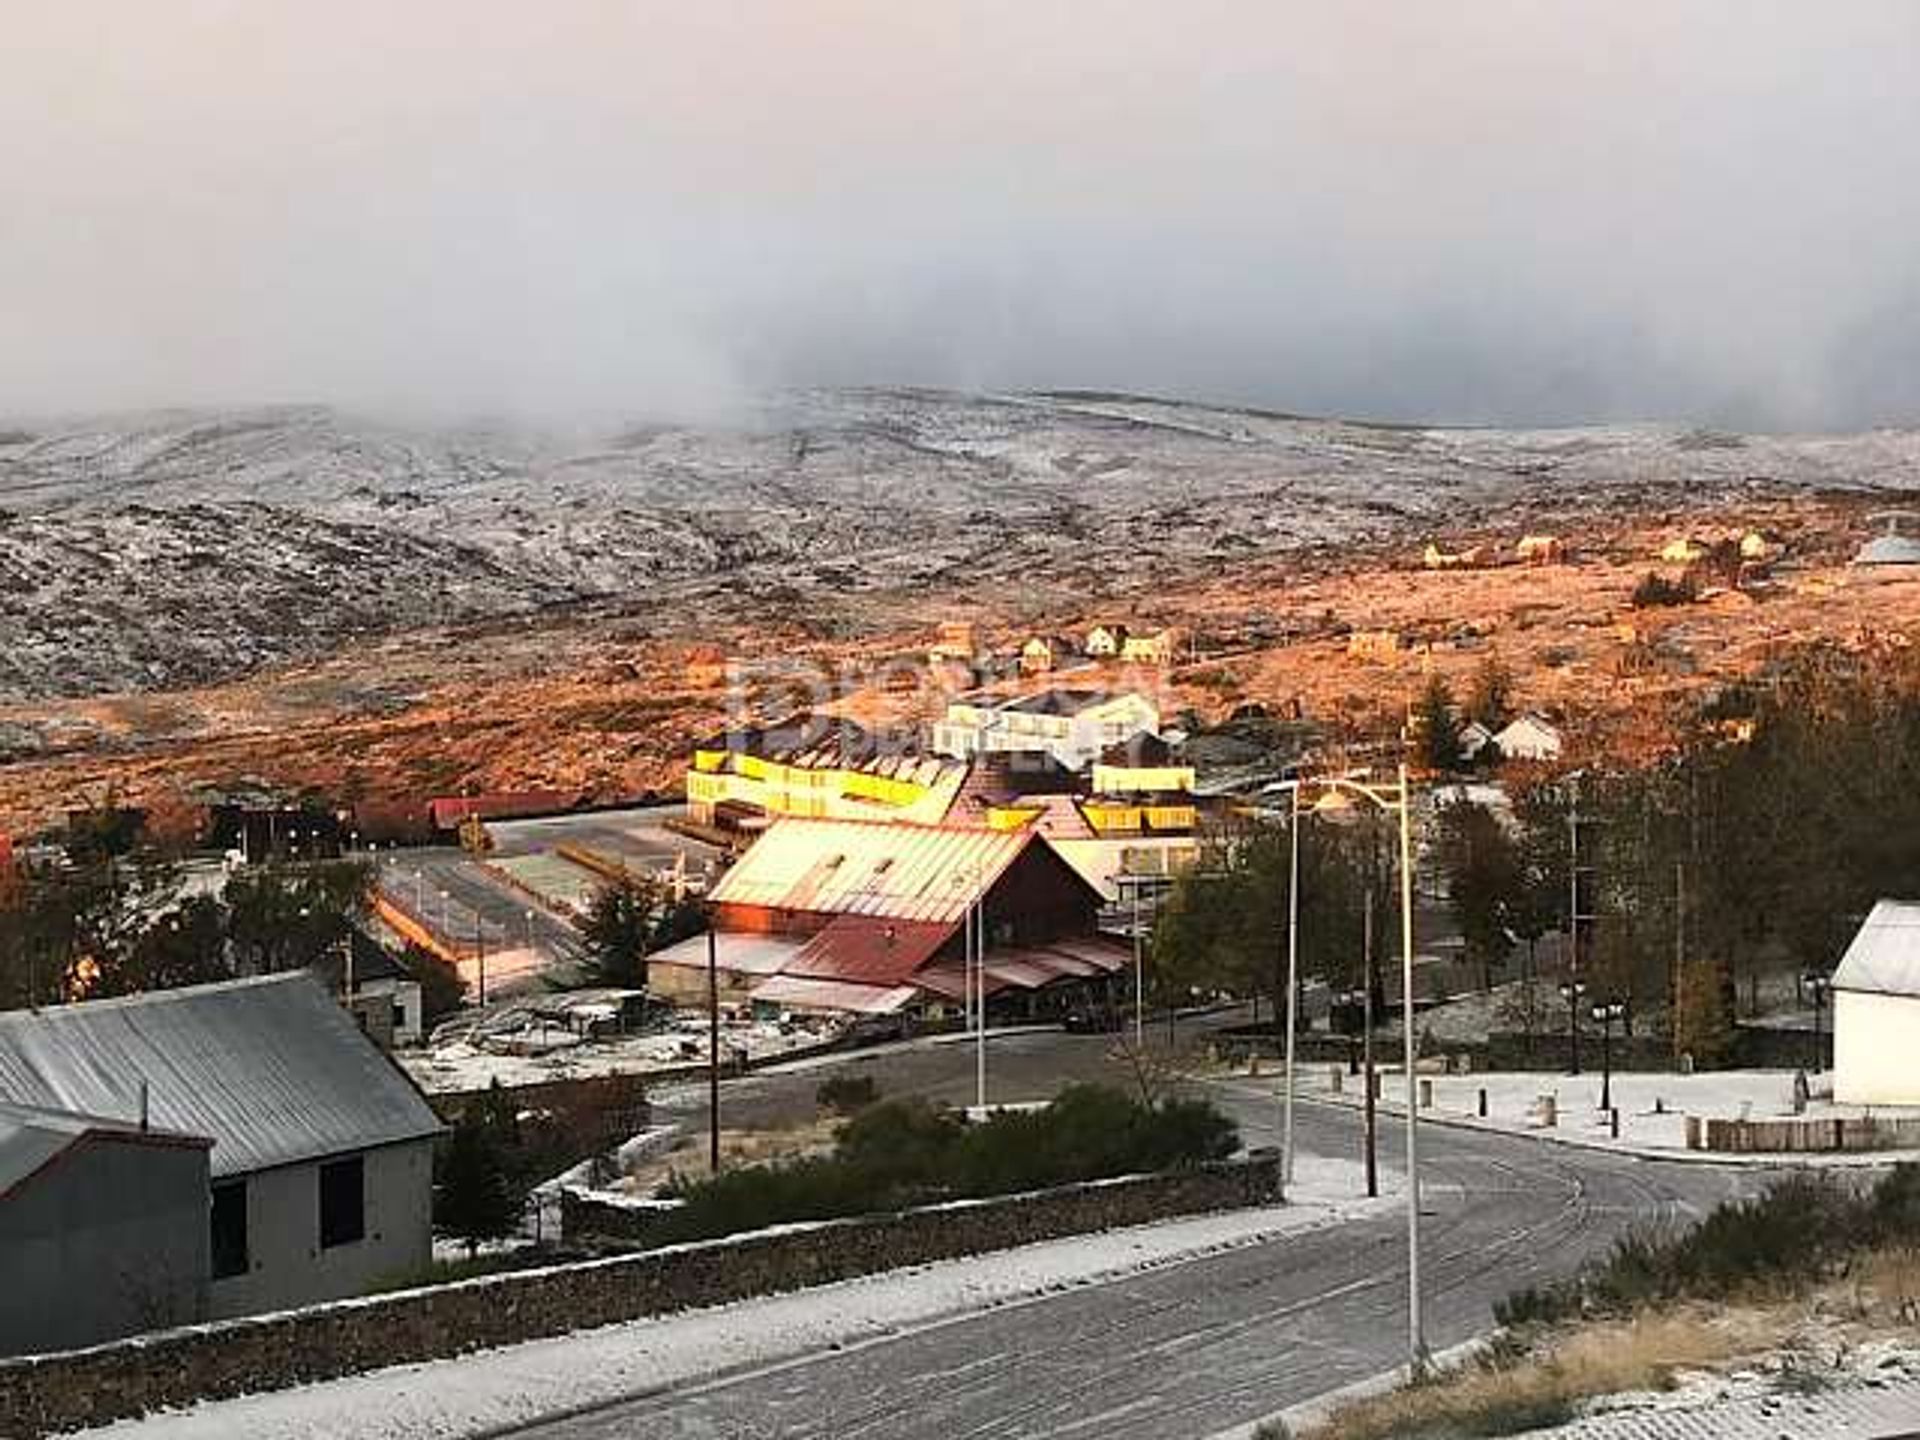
(713, 1048)
(1366, 1011)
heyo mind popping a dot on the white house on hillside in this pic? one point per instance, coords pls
(1876, 1010)
(1529, 738)
(1074, 726)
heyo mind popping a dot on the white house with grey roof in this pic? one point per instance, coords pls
(1071, 725)
(1876, 1010)
(320, 1167)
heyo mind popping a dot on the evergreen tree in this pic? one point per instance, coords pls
(474, 1199)
(1490, 695)
(625, 920)
(1436, 728)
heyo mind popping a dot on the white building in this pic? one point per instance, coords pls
(1529, 738)
(1074, 726)
(322, 1161)
(1876, 1010)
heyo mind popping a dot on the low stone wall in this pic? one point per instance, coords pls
(1787, 1135)
(43, 1394)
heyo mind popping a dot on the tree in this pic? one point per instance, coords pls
(285, 917)
(1437, 727)
(1485, 881)
(474, 1199)
(441, 988)
(1490, 694)
(624, 922)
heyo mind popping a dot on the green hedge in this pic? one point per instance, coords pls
(908, 1152)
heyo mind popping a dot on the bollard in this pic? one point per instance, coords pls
(1376, 1085)
(1695, 1135)
(1483, 1102)
(1659, 1105)
(1613, 1121)
(1548, 1108)
(1253, 1063)
(1426, 1094)
(1338, 1077)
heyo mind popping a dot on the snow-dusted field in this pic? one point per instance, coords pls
(165, 550)
(519, 1383)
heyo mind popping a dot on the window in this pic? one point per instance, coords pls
(343, 1202)
(230, 1256)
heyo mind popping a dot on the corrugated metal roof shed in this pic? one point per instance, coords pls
(870, 949)
(32, 1138)
(271, 1070)
(835, 995)
(1884, 958)
(857, 867)
(737, 954)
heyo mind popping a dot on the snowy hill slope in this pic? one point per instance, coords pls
(157, 551)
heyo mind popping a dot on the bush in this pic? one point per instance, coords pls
(1794, 1232)
(847, 1094)
(900, 1153)
(1656, 590)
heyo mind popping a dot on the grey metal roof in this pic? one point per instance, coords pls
(1889, 550)
(31, 1138)
(271, 1070)
(1884, 958)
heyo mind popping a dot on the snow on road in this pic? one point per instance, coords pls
(515, 1384)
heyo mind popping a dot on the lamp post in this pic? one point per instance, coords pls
(1604, 1014)
(1571, 991)
(1395, 799)
(1818, 985)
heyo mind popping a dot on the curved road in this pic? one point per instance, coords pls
(1202, 1346)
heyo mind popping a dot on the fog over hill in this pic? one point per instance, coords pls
(164, 550)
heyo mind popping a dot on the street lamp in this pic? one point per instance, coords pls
(1818, 985)
(1604, 1015)
(1571, 991)
(1397, 800)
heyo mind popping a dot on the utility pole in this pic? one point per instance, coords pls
(1366, 1031)
(980, 999)
(480, 949)
(1293, 983)
(1416, 1330)
(713, 1048)
(1679, 957)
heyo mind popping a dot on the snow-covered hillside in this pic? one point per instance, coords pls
(165, 550)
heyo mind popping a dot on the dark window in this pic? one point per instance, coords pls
(230, 1230)
(343, 1202)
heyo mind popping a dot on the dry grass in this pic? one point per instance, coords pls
(737, 1148)
(1543, 1386)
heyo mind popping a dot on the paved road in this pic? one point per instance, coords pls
(1197, 1348)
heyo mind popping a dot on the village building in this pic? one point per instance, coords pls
(822, 767)
(1376, 645)
(1682, 550)
(1894, 546)
(1072, 725)
(1043, 654)
(1876, 1010)
(1473, 557)
(1540, 550)
(1160, 648)
(1104, 642)
(1529, 738)
(860, 918)
(321, 1166)
(956, 640)
(1474, 739)
(103, 1228)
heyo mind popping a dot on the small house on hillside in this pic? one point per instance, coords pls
(1876, 1010)
(1540, 550)
(1104, 642)
(1043, 653)
(1529, 738)
(321, 1166)
(1158, 648)
(1474, 739)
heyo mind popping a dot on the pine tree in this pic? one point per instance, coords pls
(1436, 728)
(475, 1200)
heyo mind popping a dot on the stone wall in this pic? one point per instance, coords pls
(42, 1394)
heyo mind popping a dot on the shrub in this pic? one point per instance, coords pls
(847, 1094)
(899, 1153)
(1656, 590)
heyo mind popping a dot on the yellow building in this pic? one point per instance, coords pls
(819, 767)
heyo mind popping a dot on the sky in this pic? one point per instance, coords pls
(1484, 211)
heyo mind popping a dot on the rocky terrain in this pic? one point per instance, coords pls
(299, 598)
(175, 550)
